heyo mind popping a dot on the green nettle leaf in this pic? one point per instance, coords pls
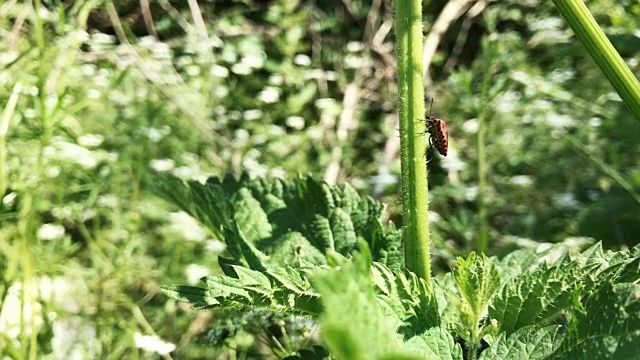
(608, 326)
(436, 344)
(538, 297)
(256, 217)
(276, 233)
(408, 298)
(198, 296)
(284, 290)
(546, 293)
(476, 279)
(528, 343)
(355, 327)
(255, 223)
(524, 261)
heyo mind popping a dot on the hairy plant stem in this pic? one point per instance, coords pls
(412, 143)
(602, 51)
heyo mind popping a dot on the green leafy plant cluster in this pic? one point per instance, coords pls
(97, 97)
(552, 302)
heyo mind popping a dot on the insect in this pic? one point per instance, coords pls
(437, 128)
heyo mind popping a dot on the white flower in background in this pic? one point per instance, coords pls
(331, 75)
(7, 57)
(30, 113)
(521, 180)
(74, 338)
(302, 60)
(352, 61)
(315, 133)
(276, 130)
(452, 162)
(88, 70)
(147, 41)
(355, 46)
(561, 75)
(52, 171)
(229, 55)
(191, 172)
(595, 122)
(64, 292)
(152, 344)
(16, 316)
(242, 134)
(471, 126)
(5, 78)
(90, 140)
(50, 232)
(269, 95)
(183, 224)
(87, 214)
(219, 71)
(45, 14)
(162, 51)
(278, 173)
(296, 122)
(221, 91)
(241, 69)
(52, 101)
(8, 199)
(383, 179)
(258, 140)
(434, 216)
(255, 60)
(548, 23)
(565, 200)
(156, 134)
(73, 153)
(252, 114)
(315, 74)
(276, 80)
(254, 168)
(111, 157)
(214, 246)
(108, 201)
(511, 138)
(32, 90)
(328, 106)
(578, 242)
(471, 193)
(14, 313)
(65, 212)
(507, 101)
(193, 70)
(94, 94)
(559, 121)
(162, 165)
(184, 61)
(195, 272)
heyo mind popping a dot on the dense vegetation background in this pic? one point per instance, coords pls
(99, 97)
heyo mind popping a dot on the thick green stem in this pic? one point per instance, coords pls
(483, 222)
(412, 141)
(601, 50)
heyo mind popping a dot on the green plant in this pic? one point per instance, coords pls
(602, 51)
(294, 249)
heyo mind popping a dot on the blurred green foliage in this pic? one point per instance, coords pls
(108, 94)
